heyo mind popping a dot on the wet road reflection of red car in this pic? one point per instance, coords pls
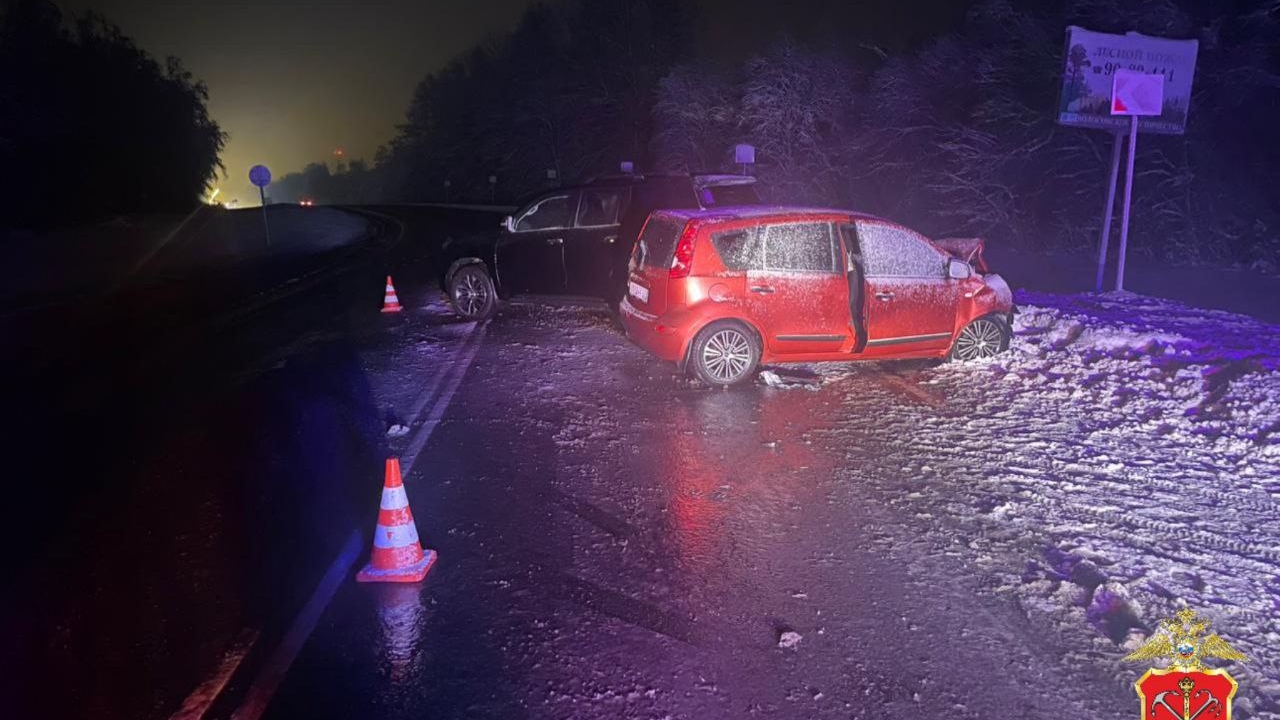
(720, 291)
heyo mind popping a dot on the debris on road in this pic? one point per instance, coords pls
(788, 381)
(789, 639)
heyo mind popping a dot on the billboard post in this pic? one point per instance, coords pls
(1134, 94)
(1158, 102)
(1109, 210)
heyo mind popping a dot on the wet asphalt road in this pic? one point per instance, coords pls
(614, 541)
(184, 457)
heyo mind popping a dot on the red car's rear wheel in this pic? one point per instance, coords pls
(724, 353)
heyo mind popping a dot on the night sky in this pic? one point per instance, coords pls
(292, 81)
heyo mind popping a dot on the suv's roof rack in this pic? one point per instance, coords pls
(721, 178)
(614, 179)
(699, 178)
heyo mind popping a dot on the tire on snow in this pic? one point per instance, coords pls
(984, 337)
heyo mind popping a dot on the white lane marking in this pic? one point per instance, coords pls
(459, 370)
(272, 674)
(430, 391)
(198, 702)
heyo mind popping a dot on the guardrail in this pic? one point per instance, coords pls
(456, 206)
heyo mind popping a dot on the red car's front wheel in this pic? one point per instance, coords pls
(980, 339)
(724, 353)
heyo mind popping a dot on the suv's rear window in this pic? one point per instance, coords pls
(664, 194)
(658, 240)
(743, 194)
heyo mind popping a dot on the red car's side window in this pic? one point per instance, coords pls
(739, 249)
(801, 247)
(891, 251)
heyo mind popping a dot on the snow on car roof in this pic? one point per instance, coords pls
(744, 212)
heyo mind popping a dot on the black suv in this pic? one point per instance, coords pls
(575, 240)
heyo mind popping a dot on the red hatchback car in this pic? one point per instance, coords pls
(720, 291)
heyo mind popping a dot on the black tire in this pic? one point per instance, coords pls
(724, 353)
(983, 338)
(471, 292)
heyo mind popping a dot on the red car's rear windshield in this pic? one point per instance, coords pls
(658, 241)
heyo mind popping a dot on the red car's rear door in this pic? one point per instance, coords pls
(911, 303)
(798, 294)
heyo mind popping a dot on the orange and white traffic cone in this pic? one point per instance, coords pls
(397, 554)
(390, 303)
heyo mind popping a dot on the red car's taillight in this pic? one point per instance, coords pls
(682, 261)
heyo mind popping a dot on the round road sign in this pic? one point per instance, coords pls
(259, 175)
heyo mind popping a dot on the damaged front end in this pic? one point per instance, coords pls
(970, 250)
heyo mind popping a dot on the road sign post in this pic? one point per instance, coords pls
(260, 176)
(1134, 94)
(1109, 210)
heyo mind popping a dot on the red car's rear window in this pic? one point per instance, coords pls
(658, 240)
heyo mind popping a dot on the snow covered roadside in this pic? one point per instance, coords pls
(1122, 458)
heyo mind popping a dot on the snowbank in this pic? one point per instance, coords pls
(1122, 458)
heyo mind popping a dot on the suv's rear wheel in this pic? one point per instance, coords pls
(471, 292)
(724, 353)
(981, 339)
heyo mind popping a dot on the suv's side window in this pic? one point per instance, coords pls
(739, 249)
(600, 206)
(801, 247)
(548, 213)
(891, 251)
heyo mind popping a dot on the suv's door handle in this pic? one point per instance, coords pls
(555, 241)
(884, 295)
(611, 239)
(762, 289)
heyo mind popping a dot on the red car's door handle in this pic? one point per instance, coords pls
(762, 289)
(884, 295)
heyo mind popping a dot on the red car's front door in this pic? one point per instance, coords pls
(911, 303)
(797, 292)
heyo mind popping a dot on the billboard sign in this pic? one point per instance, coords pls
(1091, 62)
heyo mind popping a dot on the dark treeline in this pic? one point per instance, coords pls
(92, 126)
(952, 133)
(959, 136)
